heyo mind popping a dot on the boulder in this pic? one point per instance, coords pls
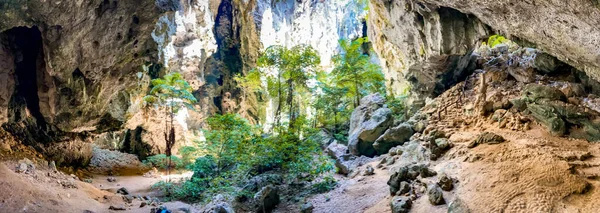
(401, 204)
(445, 182)
(219, 204)
(368, 121)
(404, 188)
(393, 137)
(458, 206)
(486, 138)
(435, 195)
(123, 191)
(396, 179)
(307, 208)
(267, 199)
(535, 92)
(339, 153)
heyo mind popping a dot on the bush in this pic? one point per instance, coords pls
(398, 106)
(234, 151)
(161, 161)
(327, 184)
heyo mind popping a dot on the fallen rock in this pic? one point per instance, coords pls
(143, 204)
(367, 123)
(123, 191)
(435, 195)
(393, 137)
(401, 204)
(117, 208)
(307, 208)
(486, 138)
(404, 188)
(267, 198)
(445, 182)
(111, 179)
(396, 179)
(21, 168)
(458, 206)
(535, 92)
(369, 171)
(128, 198)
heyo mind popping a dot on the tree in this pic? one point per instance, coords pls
(169, 94)
(355, 70)
(331, 108)
(228, 139)
(287, 72)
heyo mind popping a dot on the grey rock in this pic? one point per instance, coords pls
(123, 191)
(396, 179)
(369, 170)
(458, 206)
(368, 121)
(393, 137)
(401, 204)
(404, 188)
(307, 208)
(435, 195)
(117, 208)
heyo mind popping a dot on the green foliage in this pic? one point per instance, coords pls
(355, 70)
(161, 161)
(398, 106)
(327, 184)
(287, 72)
(495, 40)
(234, 151)
(171, 91)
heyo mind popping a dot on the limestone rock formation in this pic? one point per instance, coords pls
(368, 121)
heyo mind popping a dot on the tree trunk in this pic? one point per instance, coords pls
(290, 102)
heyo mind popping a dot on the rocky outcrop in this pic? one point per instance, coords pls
(410, 31)
(368, 121)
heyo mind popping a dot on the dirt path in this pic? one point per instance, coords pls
(41, 189)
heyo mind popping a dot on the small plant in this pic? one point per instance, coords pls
(161, 161)
(496, 40)
(327, 184)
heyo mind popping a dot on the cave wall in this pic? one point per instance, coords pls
(92, 52)
(408, 32)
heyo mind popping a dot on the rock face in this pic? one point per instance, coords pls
(549, 106)
(369, 121)
(73, 70)
(408, 32)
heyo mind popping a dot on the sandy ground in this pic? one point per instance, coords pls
(43, 190)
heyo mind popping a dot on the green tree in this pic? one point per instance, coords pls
(228, 139)
(169, 94)
(331, 106)
(287, 72)
(355, 70)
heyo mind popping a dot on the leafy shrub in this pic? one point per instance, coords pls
(327, 184)
(398, 106)
(495, 40)
(234, 151)
(161, 161)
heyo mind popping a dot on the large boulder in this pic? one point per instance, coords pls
(369, 121)
(393, 137)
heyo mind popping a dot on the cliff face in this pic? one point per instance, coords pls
(409, 32)
(72, 66)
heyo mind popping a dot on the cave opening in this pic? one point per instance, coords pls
(26, 45)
